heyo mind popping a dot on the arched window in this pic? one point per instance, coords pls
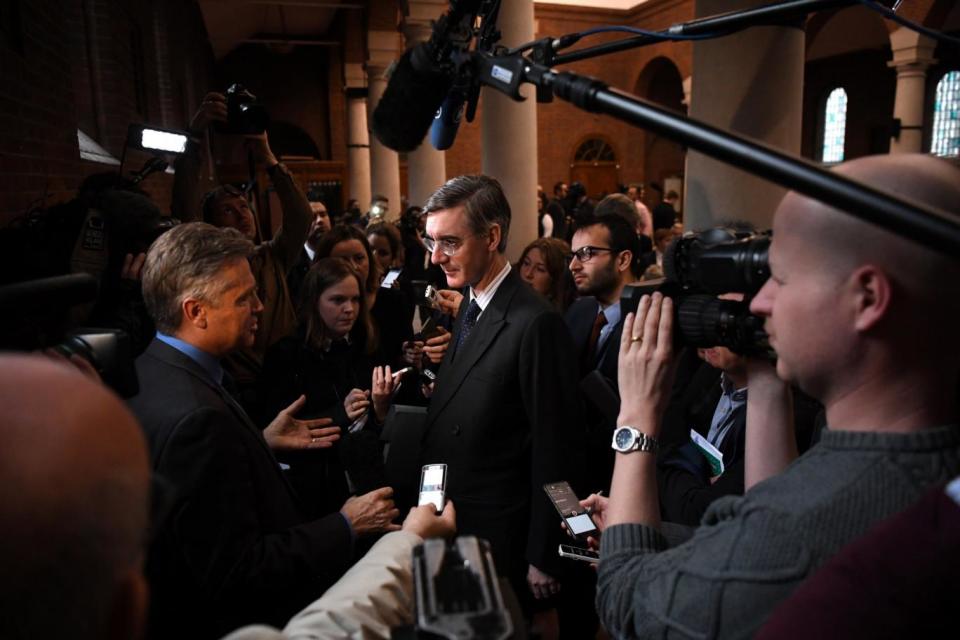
(946, 117)
(834, 126)
(594, 150)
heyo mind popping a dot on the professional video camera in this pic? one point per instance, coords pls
(244, 114)
(458, 593)
(699, 267)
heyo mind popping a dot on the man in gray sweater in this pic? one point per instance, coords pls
(863, 321)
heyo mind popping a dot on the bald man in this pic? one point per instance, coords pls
(74, 478)
(863, 321)
(74, 498)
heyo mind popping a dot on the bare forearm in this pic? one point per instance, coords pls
(771, 443)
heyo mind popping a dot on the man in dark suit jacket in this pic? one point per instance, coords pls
(503, 414)
(605, 260)
(234, 548)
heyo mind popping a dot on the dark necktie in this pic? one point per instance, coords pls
(469, 322)
(590, 351)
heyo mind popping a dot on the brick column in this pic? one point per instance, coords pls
(750, 83)
(426, 166)
(358, 138)
(382, 49)
(912, 55)
(509, 136)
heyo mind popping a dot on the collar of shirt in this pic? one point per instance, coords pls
(612, 313)
(736, 395)
(310, 252)
(209, 363)
(484, 297)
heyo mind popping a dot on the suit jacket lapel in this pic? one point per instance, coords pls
(178, 359)
(456, 366)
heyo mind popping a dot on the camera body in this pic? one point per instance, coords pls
(698, 268)
(244, 114)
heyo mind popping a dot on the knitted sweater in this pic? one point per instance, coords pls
(751, 552)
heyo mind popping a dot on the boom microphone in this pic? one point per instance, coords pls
(447, 121)
(411, 99)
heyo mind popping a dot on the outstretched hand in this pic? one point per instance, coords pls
(287, 433)
(425, 522)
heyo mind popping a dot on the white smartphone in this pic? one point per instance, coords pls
(433, 485)
(391, 276)
(579, 553)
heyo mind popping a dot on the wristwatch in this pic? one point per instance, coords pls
(627, 439)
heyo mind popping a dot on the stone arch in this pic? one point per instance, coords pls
(661, 82)
(832, 33)
(290, 140)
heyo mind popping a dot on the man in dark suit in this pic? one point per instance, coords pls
(503, 415)
(605, 260)
(235, 548)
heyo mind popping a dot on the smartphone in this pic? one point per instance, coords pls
(430, 329)
(579, 553)
(433, 485)
(579, 523)
(430, 297)
(390, 278)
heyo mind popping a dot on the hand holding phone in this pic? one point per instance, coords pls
(578, 521)
(433, 485)
(391, 277)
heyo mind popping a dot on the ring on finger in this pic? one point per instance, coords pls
(636, 339)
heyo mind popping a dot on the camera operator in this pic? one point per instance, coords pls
(856, 315)
(226, 206)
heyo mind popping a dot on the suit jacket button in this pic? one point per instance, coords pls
(456, 430)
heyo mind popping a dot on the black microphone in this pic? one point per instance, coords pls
(447, 121)
(422, 79)
(415, 91)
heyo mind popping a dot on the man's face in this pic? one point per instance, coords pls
(472, 258)
(724, 359)
(632, 193)
(231, 318)
(561, 193)
(801, 305)
(598, 276)
(320, 224)
(234, 212)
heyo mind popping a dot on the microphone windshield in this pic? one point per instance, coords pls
(409, 103)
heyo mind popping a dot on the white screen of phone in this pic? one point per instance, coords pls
(580, 524)
(431, 487)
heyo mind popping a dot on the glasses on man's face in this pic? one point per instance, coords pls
(586, 254)
(447, 246)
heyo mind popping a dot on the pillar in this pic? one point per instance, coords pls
(912, 55)
(382, 47)
(358, 138)
(426, 166)
(509, 135)
(749, 83)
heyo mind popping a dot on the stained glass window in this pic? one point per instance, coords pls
(594, 150)
(834, 125)
(946, 117)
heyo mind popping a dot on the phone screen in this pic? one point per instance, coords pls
(565, 500)
(391, 276)
(432, 484)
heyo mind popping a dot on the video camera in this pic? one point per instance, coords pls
(698, 268)
(244, 114)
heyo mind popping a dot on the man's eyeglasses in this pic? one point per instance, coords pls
(447, 246)
(586, 254)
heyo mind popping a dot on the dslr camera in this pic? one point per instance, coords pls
(244, 114)
(699, 267)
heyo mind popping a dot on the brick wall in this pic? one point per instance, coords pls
(96, 65)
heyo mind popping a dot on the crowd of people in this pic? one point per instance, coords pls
(253, 486)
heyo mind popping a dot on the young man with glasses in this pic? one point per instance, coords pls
(503, 416)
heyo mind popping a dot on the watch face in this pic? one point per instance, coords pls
(624, 438)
